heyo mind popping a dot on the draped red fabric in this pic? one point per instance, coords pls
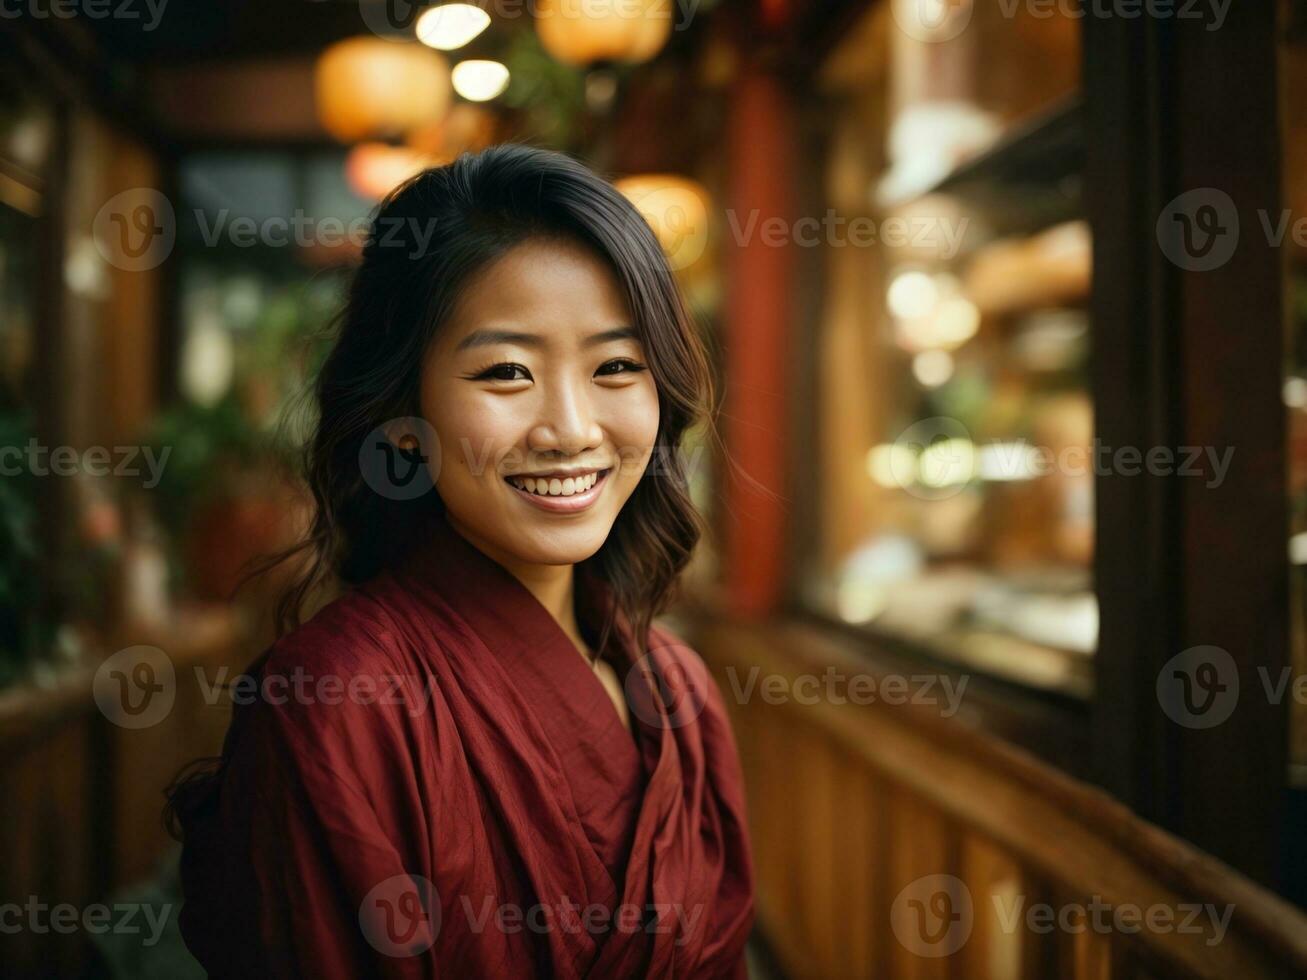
(427, 779)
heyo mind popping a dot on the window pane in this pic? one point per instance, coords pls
(956, 475)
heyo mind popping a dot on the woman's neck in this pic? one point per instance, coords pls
(552, 585)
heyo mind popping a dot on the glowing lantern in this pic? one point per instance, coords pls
(467, 128)
(478, 80)
(451, 25)
(587, 32)
(367, 87)
(677, 211)
(373, 170)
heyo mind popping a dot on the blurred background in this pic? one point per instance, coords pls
(1008, 299)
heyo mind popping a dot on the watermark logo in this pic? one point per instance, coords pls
(136, 230)
(136, 687)
(400, 917)
(682, 231)
(933, 916)
(400, 460)
(933, 458)
(1199, 687)
(661, 685)
(1199, 229)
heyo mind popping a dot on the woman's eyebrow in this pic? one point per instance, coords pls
(488, 335)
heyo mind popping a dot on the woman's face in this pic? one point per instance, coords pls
(537, 375)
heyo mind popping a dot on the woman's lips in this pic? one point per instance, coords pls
(564, 505)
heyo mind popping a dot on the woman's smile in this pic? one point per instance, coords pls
(555, 495)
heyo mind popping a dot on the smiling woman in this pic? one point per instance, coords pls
(507, 728)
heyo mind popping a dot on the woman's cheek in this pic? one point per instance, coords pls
(635, 429)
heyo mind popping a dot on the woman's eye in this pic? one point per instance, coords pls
(623, 365)
(504, 372)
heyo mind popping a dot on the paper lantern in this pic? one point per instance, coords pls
(467, 128)
(676, 208)
(368, 88)
(373, 170)
(586, 32)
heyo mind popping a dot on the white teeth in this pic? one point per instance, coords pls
(554, 487)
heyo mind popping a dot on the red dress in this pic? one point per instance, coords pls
(428, 780)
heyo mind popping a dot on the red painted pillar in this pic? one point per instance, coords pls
(760, 270)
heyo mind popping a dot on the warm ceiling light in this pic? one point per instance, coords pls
(586, 32)
(479, 81)
(911, 295)
(451, 25)
(373, 170)
(368, 88)
(676, 208)
(467, 128)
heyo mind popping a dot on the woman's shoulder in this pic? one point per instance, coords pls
(352, 632)
(340, 674)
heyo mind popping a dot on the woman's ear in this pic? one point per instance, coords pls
(410, 435)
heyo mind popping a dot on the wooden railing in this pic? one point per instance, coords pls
(82, 798)
(891, 841)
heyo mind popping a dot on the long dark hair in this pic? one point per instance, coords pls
(428, 237)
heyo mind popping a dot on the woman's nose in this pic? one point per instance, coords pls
(567, 423)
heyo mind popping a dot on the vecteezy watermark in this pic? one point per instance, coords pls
(943, 20)
(401, 459)
(665, 689)
(305, 231)
(573, 918)
(834, 230)
(401, 916)
(664, 685)
(136, 230)
(63, 918)
(412, 692)
(150, 11)
(1098, 916)
(933, 915)
(398, 20)
(1105, 918)
(118, 461)
(1199, 687)
(1199, 230)
(936, 458)
(835, 686)
(135, 687)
